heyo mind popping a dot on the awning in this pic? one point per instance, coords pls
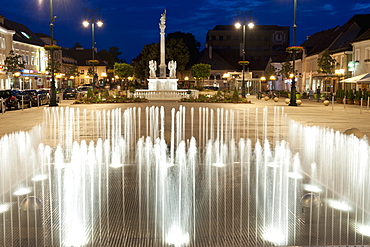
(364, 78)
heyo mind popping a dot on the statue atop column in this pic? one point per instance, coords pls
(162, 23)
(162, 65)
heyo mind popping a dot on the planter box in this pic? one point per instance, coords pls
(297, 95)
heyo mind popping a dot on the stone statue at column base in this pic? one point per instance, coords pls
(172, 67)
(152, 69)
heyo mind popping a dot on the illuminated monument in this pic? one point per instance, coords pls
(163, 87)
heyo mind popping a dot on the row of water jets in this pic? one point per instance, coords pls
(269, 162)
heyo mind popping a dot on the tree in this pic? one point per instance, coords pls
(73, 71)
(123, 71)
(286, 70)
(57, 66)
(111, 56)
(91, 72)
(141, 62)
(13, 64)
(326, 63)
(200, 72)
(176, 50)
(271, 70)
(191, 44)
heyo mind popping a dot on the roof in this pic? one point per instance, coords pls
(338, 38)
(320, 41)
(364, 36)
(82, 55)
(217, 61)
(351, 30)
(22, 33)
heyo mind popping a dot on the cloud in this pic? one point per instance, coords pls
(329, 9)
(361, 6)
(227, 5)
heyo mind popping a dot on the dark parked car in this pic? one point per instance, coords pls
(15, 98)
(70, 93)
(38, 97)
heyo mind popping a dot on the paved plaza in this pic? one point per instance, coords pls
(339, 117)
(242, 203)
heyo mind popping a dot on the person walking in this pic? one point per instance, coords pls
(318, 93)
(310, 94)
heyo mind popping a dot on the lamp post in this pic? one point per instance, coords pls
(293, 89)
(238, 25)
(53, 98)
(86, 23)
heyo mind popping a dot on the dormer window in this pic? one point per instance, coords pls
(25, 35)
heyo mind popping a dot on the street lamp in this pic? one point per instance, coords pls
(272, 79)
(86, 23)
(53, 96)
(293, 89)
(238, 25)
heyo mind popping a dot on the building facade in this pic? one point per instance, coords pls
(30, 47)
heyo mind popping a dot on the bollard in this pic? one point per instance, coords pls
(31, 212)
(344, 101)
(332, 102)
(310, 203)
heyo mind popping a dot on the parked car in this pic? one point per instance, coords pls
(38, 97)
(82, 90)
(58, 93)
(15, 98)
(70, 93)
(211, 88)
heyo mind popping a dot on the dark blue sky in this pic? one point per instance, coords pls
(130, 24)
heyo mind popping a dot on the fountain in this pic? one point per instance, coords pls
(182, 177)
(162, 87)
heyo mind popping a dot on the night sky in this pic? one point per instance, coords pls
(131, 24)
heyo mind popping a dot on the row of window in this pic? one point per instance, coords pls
(25, 60)
(253, 48)
(236, 38)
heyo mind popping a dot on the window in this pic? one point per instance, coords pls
(367, 53)
(26, 59)
(25, 35)
(221, 38)
(82, 72)
(357, 55)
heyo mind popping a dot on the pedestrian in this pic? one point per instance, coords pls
(318, 93)
(310, 94)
